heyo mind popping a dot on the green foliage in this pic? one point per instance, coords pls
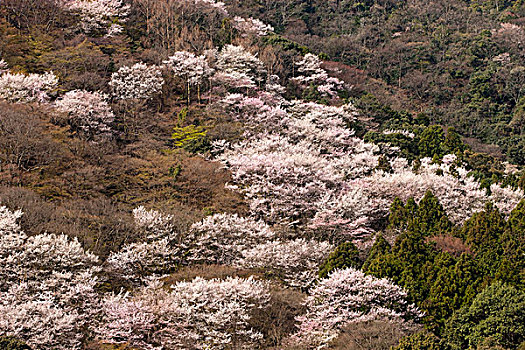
(423, 340)
(431, 142)
(430, 218)
(496, 314)
(379, 249)
(286, 44)
(381, 113)
(427, 218)
(11, 343)
(453, 143)
(436, 280)
(192, 138)
(407, 146)
(345, 255)
(384, 165)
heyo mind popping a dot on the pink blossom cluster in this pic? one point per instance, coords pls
(186, 65)
(350, 296)
(220, 238)
(300, 163)
(99, 15)
(89, 112)
(20, 87)
(238, 68)
(199, 314)
(295, 157)
(160, 253)
(139, 81)
(368, 198)
(251, 26)
(3, 66)
(47, 287)
(312, 73)
(218, 6)
(295, 262)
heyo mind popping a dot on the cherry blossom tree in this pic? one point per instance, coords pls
(192, 69)
(251, 26)
(220, 238)
(238, 68)
(47, 294)
(213, 4)
(159, 254)
(89, 112)
(139, 81)
(368, 199)
(349, 296)
(199, 314)
(303, 156)
(153, 222)
(3, 66)
(296, 262)
(313, 74)
(257, 113)
(27, 88)
(99, 15)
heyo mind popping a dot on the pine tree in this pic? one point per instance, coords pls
(345, 255)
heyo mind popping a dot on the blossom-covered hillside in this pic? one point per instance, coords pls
(174, 177)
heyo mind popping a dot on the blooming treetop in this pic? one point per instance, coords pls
(251, 26)
(47, 282)
(369, 198)
(139, 81)
(300, 161)
(301, 155)
(220, 238)
(99, 15)
(238, 68)
(350, 296)
(158, 255)
(27, 88)
(200, 314)
(313, 73)
(88, 112)
(194, 69)
(296, 262)
(3, 66)
(155, 223)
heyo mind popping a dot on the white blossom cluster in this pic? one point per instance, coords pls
(199, 314)
(368, 198)
(99, 15)
(220, 238)
(350, 296)
(89, 112)
(297, 157)
(312, 73)
(33, 87)
(139, 81)
(193, 69)
(3, 66)
(47, 281)
(238, 68)
(406, 133)
(251, 26)
(159, 254)
(296, 262)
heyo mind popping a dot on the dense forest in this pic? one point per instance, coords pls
(197, 174)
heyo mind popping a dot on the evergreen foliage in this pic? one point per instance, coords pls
(345, 255)
(495, 316)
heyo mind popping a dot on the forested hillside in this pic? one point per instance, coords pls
(196, 174)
